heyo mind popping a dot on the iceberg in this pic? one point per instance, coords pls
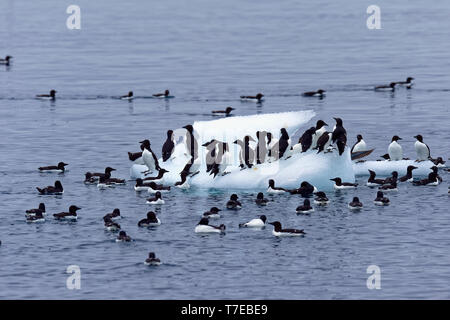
(315, 168)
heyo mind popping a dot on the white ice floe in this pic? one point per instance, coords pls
(385, 167)
(315, 168)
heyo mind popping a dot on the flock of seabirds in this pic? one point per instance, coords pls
(266, 148)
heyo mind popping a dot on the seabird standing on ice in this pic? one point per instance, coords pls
(422, 149)
(168, 146)
(320, 130)
(395, 150)
(149, 157)
(339, 136)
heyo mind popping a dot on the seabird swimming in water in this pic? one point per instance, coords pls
(392, 179)
(372, 182)
(408, 177)
(258, 98)
(6, 61)
(233, 203)
(90, 179)
(51, 96)
(273, 189)
(56, 189)
(338, 184)
(305, 208)
(166, 94)
(71, 215)
(355, 204)
(204, 227)
(151, 221)
(306, 189)
(152, 260)
(390, 87)
(154, 187)
(41, 209)
(321, 198)
(433, 179)
(227, 111)
(408, 83)
(149, 157)
(113, 215)
(381, 200)
(279, 232)
(395, 150)
(319, 93)
(213, 213)
(129, 96)
(37, 217)
(439, 162)
(389, 187)
(106, 174)
(123, 237)
(168, 146)
(339, 136)
(157, 199)
(110, 225)
(160, 175)
(58, 168)
(260, 200)
(422, 149)
(255, 223)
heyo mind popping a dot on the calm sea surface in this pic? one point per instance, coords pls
(208, 53)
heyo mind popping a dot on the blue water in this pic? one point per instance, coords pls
(208, 53)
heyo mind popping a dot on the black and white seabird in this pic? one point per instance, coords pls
(160, 175)
(260, 200)
(372, 181)
(204, 227)
(38, 217)
(392, 179)
(233, 203)
(320, 130)
(408, 177)
(273, 189)
(90, 179)
(281, 146)
(319, 93)
(191, 143)
(321, 198)
(389, 187)
(221, 161)
(279, 232)
(324, 142)
(151, 221)
(71, 215)
(168, 146)
(227, 111)
(355, 204)
(261, 147)
(32, 212)
(360, 144)
(6, 61)
(129, 96)
(439, 162)
(255, 223)
(422, 149)
(381, 200)
(58, 168)
(165, 94)
(258, 98)
(113, 215)
(246, 154)
(157, 199)
(433, 179)
(51, 96)
(110, 225)
(408, 83)
(149, 157)
(339, 136)
(306, 189)
(152, 260)
(395, 150)
(306, 139)
(56, 189)
(338, 184)
(123, 237)
(305, 207)
(213, 213)
(390, 87)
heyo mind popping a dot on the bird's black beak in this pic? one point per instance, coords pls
(271, 223)
(141, 141)
(325, 124)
